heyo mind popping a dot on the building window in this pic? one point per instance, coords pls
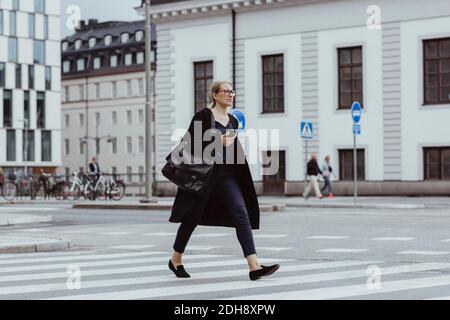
(129, 175)
(81, 119)
(78, 44)
(124, 37)
(97, 119)
(12, 23)
(97, 146)
(203, 77)
(108, 40)
(436, 163)
(26, 109)
(80, 64)
(10, 145)
(97, 91)
(40, 110)
(128, 59)
(140, 58)
(39, 52)
(92, 42)
(114, 145)
(81, 91)
(67, 94)
(114, 118)
(7, 108)
(31, 77)
(350, 76)
(129, 145)
(113, 61)
(67, 121)
(39, 6)
(2, 75)
(66, 66)
(129, 88)
(82, 143)
(139, 35)
(12, 49)
(67, 172)
(346, 164)
(141, 174)
(18, 76)
(1, 21)
(437, 71)
(28, 145)
(46, 29)
(97, 63)
(141, 144)
(114, 85)
(48, 78)
(31, 26)
(15, 5)
(65, 46)
(46, 145)
(66, 146)
(141, 115)
(141, 87)
(129, 118)
(273, 83)
(114, 170)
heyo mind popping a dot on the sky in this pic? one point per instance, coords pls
(103, 10)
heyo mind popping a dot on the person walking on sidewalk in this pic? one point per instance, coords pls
(229, 198)
(313, 171)
(327, 171)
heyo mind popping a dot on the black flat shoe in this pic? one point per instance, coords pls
(179, 271)
(263, 272)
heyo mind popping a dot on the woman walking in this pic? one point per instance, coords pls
(327, 171)
(229, 198)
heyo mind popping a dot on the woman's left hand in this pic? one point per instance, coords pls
(228, 140)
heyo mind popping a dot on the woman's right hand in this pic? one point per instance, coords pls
(228, 140)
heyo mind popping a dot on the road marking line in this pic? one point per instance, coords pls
(167, 278)
(202, 248)
(134, 246)
(327, 237)
(353, 290)
(160, 234)
(428, 253)
(97, 263)
(394, 239)
(115, 233)
(271, 282)
(275, 248)
(270, 236)
(210, 235)
(342, 250)
(121, 270)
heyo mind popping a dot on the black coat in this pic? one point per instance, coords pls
(206, 209)
(313, 168)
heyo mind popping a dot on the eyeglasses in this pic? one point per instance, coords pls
(228, 92)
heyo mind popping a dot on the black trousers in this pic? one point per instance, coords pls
(228, 189)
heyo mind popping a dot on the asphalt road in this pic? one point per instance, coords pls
(323, 253)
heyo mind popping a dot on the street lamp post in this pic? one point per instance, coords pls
(148, 107)
(25, 148)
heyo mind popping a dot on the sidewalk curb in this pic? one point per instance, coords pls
(50, 245)
(159, 207)
(24, 220)
(357, 206)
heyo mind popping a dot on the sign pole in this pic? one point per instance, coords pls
(355, 194)
(306, 161)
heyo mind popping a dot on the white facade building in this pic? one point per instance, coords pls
(30, 131)
(103, 99)
(393, 56)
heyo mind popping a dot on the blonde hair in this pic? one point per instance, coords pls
(215, 87)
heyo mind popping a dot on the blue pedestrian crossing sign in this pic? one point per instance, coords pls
(240, 118)
(356, 129)
(306, 130)
(356, 112)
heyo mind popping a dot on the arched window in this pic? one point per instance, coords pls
(108, 40)
(92, 42)
(124, 37)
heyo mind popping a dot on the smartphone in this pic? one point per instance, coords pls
(230, 133)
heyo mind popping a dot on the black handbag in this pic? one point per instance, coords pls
(192, 174)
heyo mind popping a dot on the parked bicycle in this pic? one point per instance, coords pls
(8, 188)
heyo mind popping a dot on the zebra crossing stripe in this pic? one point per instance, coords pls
(38, 255)
(327, 237)
(273, 282)
(353, 290)
(61, 286)
(99, 263)
(393, 239)
(121, 270)
(210, 235)
(269, 236)
(80, 257)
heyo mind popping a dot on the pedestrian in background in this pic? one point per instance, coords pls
(327, 171)
(313, 171)
(229, 198)
(2, 176)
